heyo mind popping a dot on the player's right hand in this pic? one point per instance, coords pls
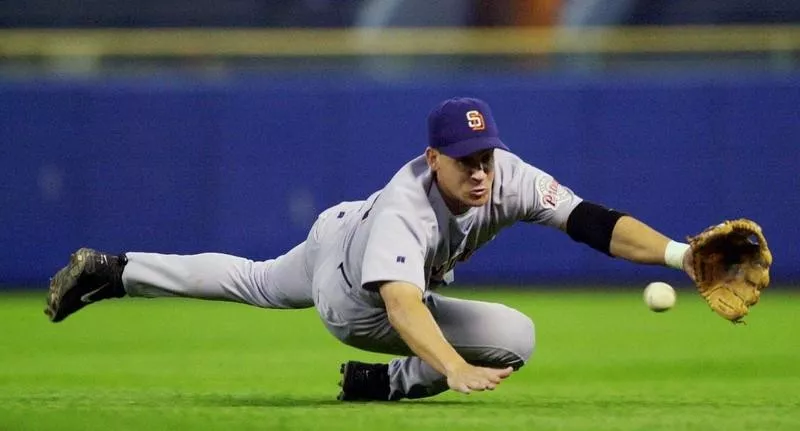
(467, 378)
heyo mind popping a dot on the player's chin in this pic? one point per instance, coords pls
(476, 200)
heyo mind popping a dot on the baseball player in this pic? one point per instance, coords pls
(372, 268)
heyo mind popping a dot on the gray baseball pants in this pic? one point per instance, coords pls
(483, 333)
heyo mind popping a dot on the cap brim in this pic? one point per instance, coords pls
(461, 149)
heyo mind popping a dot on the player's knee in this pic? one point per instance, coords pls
(511, 340)
(519, 339)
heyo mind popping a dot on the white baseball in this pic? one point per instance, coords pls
(659, 296)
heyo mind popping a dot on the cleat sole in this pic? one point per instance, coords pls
(64, 280)
(343, 371)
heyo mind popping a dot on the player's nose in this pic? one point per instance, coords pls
(478, 175)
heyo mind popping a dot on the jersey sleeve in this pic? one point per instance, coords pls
(395, 251)
(538, 197)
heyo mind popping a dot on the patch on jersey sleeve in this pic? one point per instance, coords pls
(551, 194)
(401, 259)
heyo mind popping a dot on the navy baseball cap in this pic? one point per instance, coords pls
(461, 126)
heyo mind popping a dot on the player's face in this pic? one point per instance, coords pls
(464, 182)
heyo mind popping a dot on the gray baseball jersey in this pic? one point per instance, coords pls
(406, 232)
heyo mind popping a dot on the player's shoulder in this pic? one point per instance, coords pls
(510, 169)
(506, 161)
(409, 185)
(405, 196)
(505, 157)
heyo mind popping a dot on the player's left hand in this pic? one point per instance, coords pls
(730, 265)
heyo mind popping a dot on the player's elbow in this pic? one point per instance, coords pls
(398, 295)
(400, 300)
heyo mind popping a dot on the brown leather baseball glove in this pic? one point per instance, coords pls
(731, 263)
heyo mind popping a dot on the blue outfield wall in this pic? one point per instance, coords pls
(243, 165)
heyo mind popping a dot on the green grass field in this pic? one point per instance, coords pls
(603, 362)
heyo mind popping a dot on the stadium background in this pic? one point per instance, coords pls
(159, 126)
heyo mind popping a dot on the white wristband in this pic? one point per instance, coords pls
(673, 255)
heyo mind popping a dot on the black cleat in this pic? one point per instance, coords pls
(89, 277)
(364, 382)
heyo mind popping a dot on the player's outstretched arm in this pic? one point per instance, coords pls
(417, 327)
(637, 242)
(620, 235)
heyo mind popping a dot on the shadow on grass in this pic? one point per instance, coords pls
(227, 400)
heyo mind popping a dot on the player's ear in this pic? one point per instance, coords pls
(432, 157)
